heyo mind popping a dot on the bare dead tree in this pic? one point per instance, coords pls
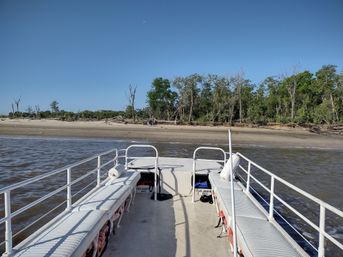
(291, 85)
(332, 102)
(37, 110)
(238, 80)
(232, 100)
(132, 98)
(17, 103)
(12, 105)
(29, 109)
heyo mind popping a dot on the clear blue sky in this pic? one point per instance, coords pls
(84, 54)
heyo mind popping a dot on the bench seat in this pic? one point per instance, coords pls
(216, 180)
(70, 235)
(256, 236)
(107, 198)
(112, 195)
(260, 238)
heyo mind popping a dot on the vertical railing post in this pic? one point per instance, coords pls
(233, 208)
(155, 182)
(99, 171)
(247, 190)
(321, 249)
(193, 182)
(69, 197)
(116, 158)
(8, 223)
(271, 202)
(126, 158)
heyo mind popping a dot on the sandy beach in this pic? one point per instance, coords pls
(268, 137)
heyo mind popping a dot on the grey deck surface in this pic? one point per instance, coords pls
(174, 227)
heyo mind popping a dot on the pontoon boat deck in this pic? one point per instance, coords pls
(150, 206)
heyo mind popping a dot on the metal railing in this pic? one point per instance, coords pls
(323, 205)
(208, 160)
(6, 191)
(127, 158)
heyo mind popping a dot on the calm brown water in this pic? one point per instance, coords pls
(319, 172)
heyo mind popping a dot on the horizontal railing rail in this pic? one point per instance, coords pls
(320, 228)
(51, 173)
(205, 148)
(6, 191)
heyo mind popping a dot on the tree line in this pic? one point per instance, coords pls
(56, 113)
(299, 98)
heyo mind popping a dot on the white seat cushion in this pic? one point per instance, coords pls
(256, 235)
(225, 173)
(106, 198)
(69, 236)
(217, 182)
(243, 205)
(259, 238)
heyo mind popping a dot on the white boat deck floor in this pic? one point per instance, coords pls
(174, 227)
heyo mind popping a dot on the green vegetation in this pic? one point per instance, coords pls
(301, 98)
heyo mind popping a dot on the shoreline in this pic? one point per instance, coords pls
(266, 137)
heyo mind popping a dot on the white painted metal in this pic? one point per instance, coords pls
(321, 249)
(233, 211)
(323, 206)
(98, 172)
(280, 215)
(69, 197)
(323, 235)
(7, 192)
(49, 174)
(34, 203)
(115, 159)
(156, 170)
(127, 158)
(248, 178)
(271, 201)
(208, 160)
(8, 224)
(193, 186)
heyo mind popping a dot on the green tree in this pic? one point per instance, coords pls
(339, 93)
(327, 80)
(221, 100)
(188, 94)
(243, 90)
(322, 113)
(257, 108)
(273, 98)
(291, 84)
(206, 99)
(306, 93)
(161, 99)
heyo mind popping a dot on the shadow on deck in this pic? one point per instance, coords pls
(174, 227)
